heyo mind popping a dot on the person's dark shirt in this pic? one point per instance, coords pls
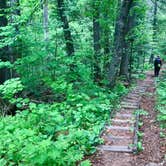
(157, 62)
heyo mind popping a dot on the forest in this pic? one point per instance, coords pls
(64, 67)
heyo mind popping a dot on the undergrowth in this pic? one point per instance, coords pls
(161, 101)
(55, 134)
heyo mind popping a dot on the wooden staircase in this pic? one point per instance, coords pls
(121, 135)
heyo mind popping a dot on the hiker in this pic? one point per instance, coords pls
(157, 66)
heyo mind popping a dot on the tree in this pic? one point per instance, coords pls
(96, 41)
(119, 40)
(126, 57)
(4, 73)
(13, 51)
(66, 28)
(154, 24)
(45, 19)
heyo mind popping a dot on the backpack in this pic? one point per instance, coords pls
(158, 62)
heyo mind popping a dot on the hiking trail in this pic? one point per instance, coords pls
(120, 136)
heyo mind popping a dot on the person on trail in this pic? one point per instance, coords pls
(157, 66)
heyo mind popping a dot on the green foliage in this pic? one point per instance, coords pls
(60, 133)
(120, 89)
(141, 112)
(73, 110)
(5, 64)
(162, 135)
(139, 146)
(140, 124)
(161, 101)
(140, 135)
(85, 163)
(148, 66)
(141, 76)
(161, 34)
(10, 88)
(139, 143)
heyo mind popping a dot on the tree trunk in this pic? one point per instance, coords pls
(4, 73)
(45, 19)
(106, 28)
(119, 40)
(66, 29)
(124, 71)
(14, 52)
(97, 47)
(155, 21)
(154, 29)
(130, 24)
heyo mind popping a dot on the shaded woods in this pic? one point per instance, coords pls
(64, 64)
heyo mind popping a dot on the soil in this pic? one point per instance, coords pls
(154, 146)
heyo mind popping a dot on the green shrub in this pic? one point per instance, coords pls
(60, 133)
(161, 102)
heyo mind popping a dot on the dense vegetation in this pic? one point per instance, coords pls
(63, 66)
(161, 102)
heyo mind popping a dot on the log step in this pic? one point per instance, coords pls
(122, 115)
(133, 98)
(129, 111)
(130, 103)
(138, 91)
(119, 137)
(119, 128)
(136, 96)
(115, 142)
(129, 106)
(116, 148)
(123, 121)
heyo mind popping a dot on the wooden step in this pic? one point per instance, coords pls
(122, 115)
(130, 101)
(137, 93)
(133, 98)
(124, 124)
(117, 142)
(119, 128)
(115, 148)
(129, 106)
(133, 103)
(139, 90)
(127, 110)
(120, 133)
(118, 137)
(123, 121)
(133, 94)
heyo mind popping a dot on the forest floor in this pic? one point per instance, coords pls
(154, 147)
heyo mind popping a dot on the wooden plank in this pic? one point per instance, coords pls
(134, 94)
(118, 137)
(129, 106)
(140, 90)
(116, 148)
(130, 102)
(133, 97)
(124, 115)
(123, 121)
(119, 128)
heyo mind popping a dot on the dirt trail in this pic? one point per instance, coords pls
(118, 135)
